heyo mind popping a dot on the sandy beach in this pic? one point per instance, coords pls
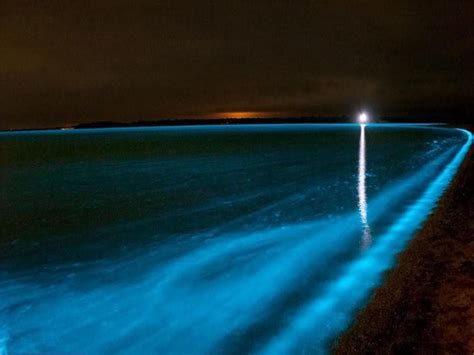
(426, 304)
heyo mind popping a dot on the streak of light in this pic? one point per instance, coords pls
(361, 190)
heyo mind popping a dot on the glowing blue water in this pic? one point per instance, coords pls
(263, 239)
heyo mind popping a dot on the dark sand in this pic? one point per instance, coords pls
(426, 304)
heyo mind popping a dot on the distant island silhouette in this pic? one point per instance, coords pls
(259, 120)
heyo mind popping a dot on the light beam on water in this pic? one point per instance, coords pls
(361, 190)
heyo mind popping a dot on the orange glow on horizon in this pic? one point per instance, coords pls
(245, 114)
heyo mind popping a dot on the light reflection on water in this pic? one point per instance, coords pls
(361, 190)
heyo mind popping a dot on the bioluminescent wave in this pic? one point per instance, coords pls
(207, 239)
(360, 276)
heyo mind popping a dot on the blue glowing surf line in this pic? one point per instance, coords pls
(345, 295)
(203, 311)
(276, 273)
(174, 284)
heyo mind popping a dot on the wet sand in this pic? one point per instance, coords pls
(426, 304)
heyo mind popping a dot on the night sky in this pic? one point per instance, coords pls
(63, 62)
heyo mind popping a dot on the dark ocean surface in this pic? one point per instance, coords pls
(207, 239)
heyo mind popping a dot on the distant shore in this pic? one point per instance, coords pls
(426, 304)
(238, 121)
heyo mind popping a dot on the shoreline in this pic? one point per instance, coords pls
(173, 122)
(426, 302)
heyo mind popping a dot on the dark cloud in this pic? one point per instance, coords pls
(65, 61)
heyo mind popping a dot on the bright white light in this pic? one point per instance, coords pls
(363, 118)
